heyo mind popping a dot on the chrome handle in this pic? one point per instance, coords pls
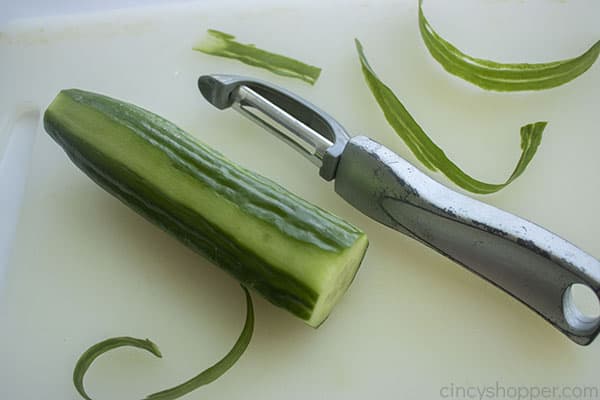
(530, 263)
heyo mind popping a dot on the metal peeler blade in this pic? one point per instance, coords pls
(528, 262)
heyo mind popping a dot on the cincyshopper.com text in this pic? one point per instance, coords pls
(518, 392)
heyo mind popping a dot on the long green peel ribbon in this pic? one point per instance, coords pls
(224, 45)
(205, 377)
(497, 76)
(426, 151)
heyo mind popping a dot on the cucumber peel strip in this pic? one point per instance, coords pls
(426, 151)
(497, 76)
(223, 44)
(205, 377)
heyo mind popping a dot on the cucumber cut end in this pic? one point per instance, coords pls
(338, 282)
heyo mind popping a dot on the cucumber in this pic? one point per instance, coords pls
(295, 254)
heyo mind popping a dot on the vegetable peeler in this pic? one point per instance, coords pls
(533, 265)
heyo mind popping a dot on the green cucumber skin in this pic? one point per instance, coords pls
(254, 194)
(221, 250)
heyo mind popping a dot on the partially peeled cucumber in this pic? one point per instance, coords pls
(295, 254)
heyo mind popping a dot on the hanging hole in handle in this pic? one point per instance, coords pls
(581, 308)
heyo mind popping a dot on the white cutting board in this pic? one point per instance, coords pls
(84, 267)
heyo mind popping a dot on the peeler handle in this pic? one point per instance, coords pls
(530, 263)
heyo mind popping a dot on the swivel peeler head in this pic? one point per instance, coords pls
(300, 124)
